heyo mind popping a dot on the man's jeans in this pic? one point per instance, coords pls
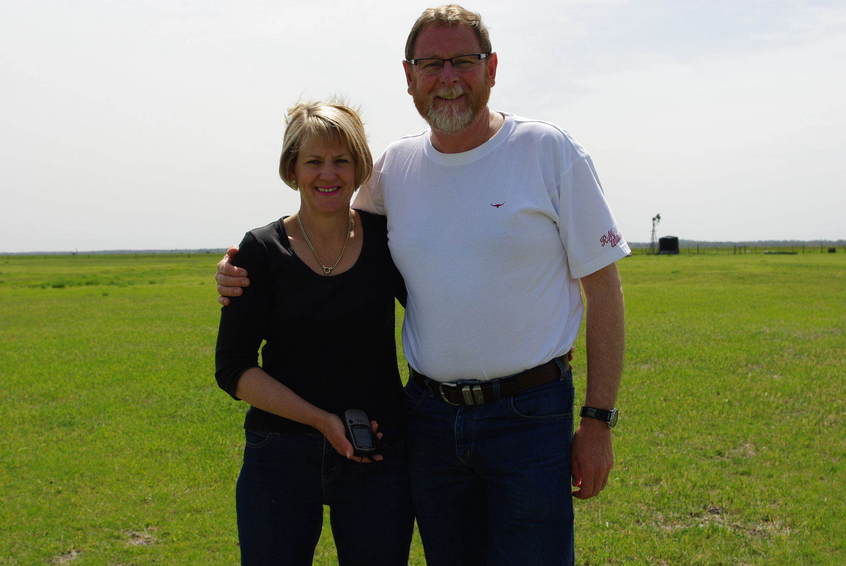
(491, 483)
(286, 479)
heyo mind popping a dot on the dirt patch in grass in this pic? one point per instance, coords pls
(66, 557)
(142, 538)
(745, 450)
(713, 516)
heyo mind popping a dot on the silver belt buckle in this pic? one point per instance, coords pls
(472, 394)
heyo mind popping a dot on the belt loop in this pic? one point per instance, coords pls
(562, 369)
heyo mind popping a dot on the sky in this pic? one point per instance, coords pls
(157, 124)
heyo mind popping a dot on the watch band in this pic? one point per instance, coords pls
(609, 417)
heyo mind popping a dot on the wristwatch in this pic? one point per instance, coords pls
(608, 417)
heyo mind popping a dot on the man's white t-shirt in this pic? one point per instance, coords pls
(491, 244)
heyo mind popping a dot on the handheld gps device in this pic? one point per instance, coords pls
(359, 432)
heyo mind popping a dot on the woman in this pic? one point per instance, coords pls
(322, 297)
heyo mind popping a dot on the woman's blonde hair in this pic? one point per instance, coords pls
(322, 120)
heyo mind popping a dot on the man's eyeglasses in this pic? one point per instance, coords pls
(434, 65)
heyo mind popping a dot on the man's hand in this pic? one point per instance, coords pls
(592, 458)
(230, 278)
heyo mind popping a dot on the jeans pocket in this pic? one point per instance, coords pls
(414, 392)
(552, 400)
(257, 438)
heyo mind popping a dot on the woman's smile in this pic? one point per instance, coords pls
(325, 174)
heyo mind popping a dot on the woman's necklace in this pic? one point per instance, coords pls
(328, 269)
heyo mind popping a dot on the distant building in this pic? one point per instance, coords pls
(668, 245)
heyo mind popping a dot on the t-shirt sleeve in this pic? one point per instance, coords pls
(369, 196)
(587, 226)
(243, 324)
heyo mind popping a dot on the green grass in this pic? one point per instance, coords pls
(118, 448)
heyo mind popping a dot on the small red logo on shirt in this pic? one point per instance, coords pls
(497, 204)
(612, 237)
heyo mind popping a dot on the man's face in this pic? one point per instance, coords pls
(451, 99)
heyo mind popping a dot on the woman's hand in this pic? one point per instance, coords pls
(260, 390)
(333, 429)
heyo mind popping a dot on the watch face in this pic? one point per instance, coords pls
(612, 418)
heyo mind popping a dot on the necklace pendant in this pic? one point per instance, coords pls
(327, 269)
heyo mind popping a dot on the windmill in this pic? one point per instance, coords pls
(656, 220)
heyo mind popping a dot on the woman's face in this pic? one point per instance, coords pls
(325, 175)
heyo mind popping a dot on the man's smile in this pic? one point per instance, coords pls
(450, 94)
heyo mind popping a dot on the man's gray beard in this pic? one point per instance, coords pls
(449, 121)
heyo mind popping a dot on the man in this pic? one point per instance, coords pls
(495, 222)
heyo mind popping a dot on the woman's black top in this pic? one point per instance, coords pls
(329, 339)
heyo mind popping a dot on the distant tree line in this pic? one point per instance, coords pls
(750, 247)
(751, 244)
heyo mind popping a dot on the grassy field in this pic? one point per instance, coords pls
(118, 448)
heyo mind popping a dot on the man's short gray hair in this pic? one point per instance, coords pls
(449, 15)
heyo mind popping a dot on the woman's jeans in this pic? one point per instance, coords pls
(491, 483)
(286, 479)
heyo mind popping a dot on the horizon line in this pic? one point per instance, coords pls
(682, 243)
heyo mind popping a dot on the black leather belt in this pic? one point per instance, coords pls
(481, 392)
